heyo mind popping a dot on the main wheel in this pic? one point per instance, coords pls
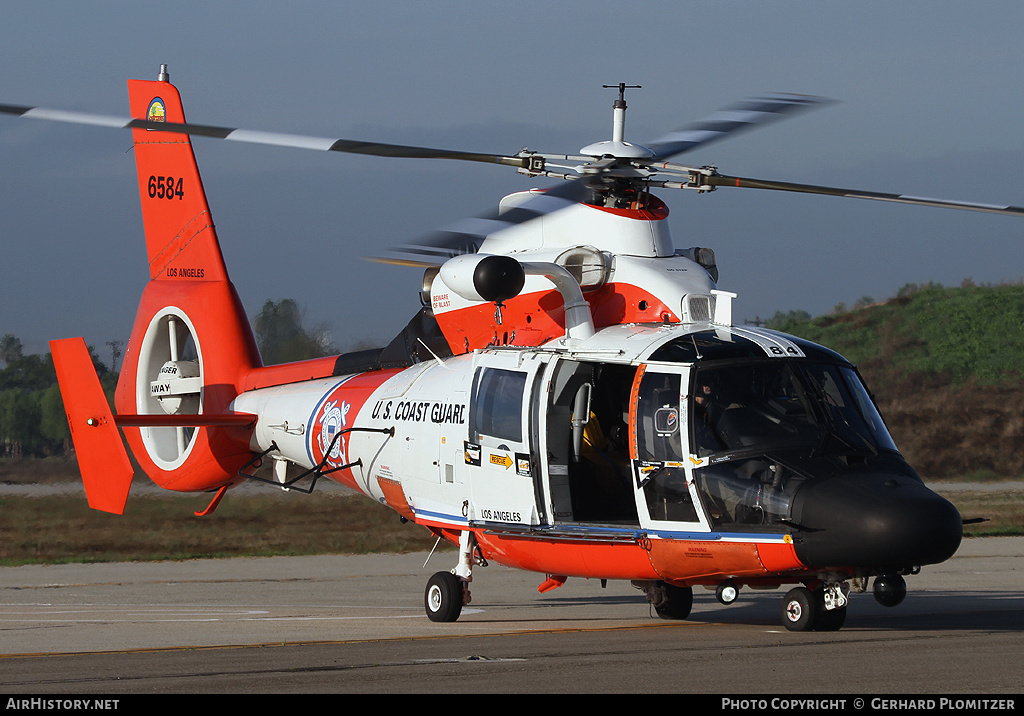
(678, 602)
(831, 619)
(443, 597)
(800, 609)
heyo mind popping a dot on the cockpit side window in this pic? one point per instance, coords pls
(658, 433)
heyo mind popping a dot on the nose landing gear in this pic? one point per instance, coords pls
(727, 592)
(821, 609)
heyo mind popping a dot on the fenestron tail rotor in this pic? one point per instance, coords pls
(170, 383)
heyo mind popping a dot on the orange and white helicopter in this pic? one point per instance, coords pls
(572, 399)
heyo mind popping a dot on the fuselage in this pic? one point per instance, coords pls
(689, 453)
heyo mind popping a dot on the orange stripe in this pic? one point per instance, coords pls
(634, 398)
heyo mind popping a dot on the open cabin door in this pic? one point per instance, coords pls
(586, 443)
(500, 455)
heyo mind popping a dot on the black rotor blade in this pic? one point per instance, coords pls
(746, 183)
(279, 139)
(747, 114)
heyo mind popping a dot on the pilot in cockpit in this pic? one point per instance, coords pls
(707, 411)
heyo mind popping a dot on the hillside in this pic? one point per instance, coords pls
(946, 366)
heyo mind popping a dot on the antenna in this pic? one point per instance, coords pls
(619, 122)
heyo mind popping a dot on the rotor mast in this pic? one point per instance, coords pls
(619, 108)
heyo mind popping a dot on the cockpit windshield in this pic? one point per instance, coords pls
(757, 422)
(779, 404)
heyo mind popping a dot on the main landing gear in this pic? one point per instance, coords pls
(668, 600)
(444, 597)
(447, 592)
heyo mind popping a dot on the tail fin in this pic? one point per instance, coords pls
(106, 470)
(180, 238)
(191, 346)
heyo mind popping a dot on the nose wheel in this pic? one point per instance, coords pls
(807, 610)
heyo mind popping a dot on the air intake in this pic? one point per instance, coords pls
(698, 308)
(587, 265)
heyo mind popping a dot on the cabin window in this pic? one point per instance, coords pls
(498, 404)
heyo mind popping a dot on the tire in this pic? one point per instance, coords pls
(678, 602)
(800, 609)
(443, 597)
(727, 592)
(831, 619)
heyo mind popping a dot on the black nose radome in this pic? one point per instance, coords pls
(887, 522)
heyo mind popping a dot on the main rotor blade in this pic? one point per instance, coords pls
(747, 114)
(467, 235)
(348, 146)
(746, 183)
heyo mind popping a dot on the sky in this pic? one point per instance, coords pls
(928, 104)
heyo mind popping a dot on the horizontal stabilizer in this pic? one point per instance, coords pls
(106, 470)
(205, 420)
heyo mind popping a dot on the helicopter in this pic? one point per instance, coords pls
(572, 399)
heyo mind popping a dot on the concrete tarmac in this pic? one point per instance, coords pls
(356, 624)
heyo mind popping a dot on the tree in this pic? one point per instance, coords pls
(281, 337)
(53, 421)
(32, 417)
(10, 348)
(29, 373)
(19, 423)
(785, 322)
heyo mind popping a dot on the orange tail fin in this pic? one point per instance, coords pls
(106, 470)
(191, 346)
(180, 238)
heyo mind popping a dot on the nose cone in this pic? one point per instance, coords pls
(886, 522)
